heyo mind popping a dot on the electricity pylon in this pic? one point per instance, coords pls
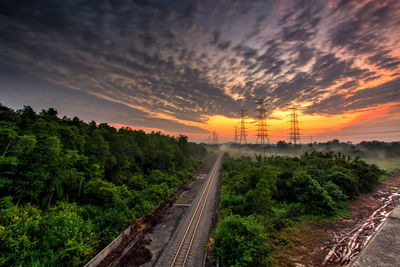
(215, 138)
(243, 131)
(235, 140)
(294, 134)
(262, 131)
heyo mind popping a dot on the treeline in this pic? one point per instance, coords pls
(262, 196)
(68, 187)
(365, 149)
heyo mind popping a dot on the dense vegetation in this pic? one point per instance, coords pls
(384, 154)
(262, 196)
(67, 187)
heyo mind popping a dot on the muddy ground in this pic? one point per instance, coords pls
(308, 244)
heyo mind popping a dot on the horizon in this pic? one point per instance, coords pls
(187, 67)
(206, 142)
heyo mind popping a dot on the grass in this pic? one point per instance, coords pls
(295, 244)
(181, 196)
(391, 165)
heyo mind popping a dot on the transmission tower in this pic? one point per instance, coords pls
(235, 140)
(243, 131)
(294, 134)
(215, 138)
(262, 132)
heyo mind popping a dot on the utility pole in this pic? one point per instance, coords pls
(262, 132)
(235, 140)
(294, 134)
(243, 131)
(215, 138)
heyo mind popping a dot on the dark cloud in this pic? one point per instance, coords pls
(383, 60)
(348, 85)
(328, 69)
(361, 30)
(190, 9)
(295, 34)
(70, 102)
(372, 78)
(186, 60)
(224, 45)
(304, 54)
(366, 98)
(216, 36)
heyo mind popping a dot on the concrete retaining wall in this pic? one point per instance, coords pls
(115, 243)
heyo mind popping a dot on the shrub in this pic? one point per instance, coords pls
(241, 241)
(20, 232)
(311, 194)
(346, 181)
(67, 238)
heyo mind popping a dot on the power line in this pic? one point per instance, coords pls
(262, 132)
(215, 138)
(236, 134)
(294, 134)
(243, 131)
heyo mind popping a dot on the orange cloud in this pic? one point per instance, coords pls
(372, 113)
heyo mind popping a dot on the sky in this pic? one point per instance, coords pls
(188, 66)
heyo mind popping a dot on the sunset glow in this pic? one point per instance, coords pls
(187, 67)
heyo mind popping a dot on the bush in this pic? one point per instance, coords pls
(346, 181)
(278, 192)
(241, 241)
(68, 239)
(334, 192)
(233, 203)
(61, 237)
(20, 232)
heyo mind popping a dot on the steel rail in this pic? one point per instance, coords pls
(201, 204)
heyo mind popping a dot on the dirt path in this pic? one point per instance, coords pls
(309, 244)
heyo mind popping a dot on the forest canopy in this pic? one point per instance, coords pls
(68, 187)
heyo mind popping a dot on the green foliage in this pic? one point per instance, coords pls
(58, 237)
(308, 192)
(241, 241)
(67, 236)
(71, 186)
(20, 231)
(345, 180)
(265, 195)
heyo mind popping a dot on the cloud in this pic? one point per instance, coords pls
(366, 98)
(362, 29)
(189, 60)
(349, 84)
(383, 60)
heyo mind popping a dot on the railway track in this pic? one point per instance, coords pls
(183, 250)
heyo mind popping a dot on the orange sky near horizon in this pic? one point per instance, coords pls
(196, 63)
(317, 126)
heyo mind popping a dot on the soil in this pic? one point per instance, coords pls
(308, 244)
(138, 255)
